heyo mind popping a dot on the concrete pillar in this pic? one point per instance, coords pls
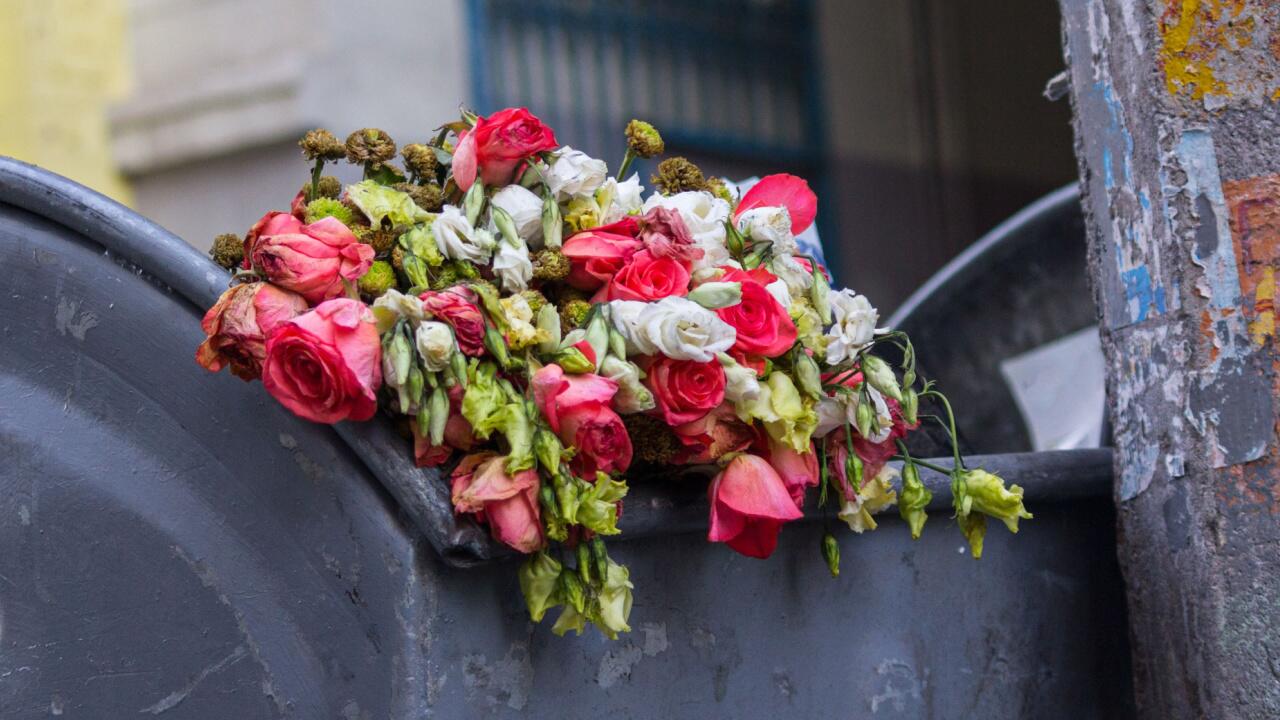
(1178, 140)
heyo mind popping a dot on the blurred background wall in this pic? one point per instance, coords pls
(920, 122)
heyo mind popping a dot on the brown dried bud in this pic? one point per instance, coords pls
(427, 197)
(227, 250)
(420, 160)
(652, 439)
(643, 139)
(550, 264)
(397, 258)
(677, 175)
(369, 146)
(357, 215)
(320, 144)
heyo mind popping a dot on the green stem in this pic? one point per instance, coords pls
(315, 179)
(628, 158)
(923, 463)
(951, 419)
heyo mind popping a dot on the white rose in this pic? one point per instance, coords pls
(525, 209)
(458, 240)
(740, 383)
(673, 326)
(513, 267)
(854, 326)
(704, 214)
(435, 345)
(574, 174)
(624, 198)
(632, 395)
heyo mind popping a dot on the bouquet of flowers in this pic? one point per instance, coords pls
(541, 326)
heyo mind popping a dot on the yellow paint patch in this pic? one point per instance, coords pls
(1217, 51)
(1191, 38)
(1263, 325)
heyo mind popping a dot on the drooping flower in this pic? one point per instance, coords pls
(496, 146)
(798, 470)
(713, 436)
(876, 494)
(749, 505)
(312, 260)
(237, 327)
(854, 327)
(507, 502)
(325, 365)
(458, 240)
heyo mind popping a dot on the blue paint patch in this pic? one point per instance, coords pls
(1141, 295)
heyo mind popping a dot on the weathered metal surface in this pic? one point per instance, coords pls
(1175, 105)
(172, 543)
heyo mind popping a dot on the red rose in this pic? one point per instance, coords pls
(666, 235)
(457, 308)
(713, 436)
(509, 503)
(646, 278)
(786, 191)
(498, 144)
(311, 260)
(749, 504)
(685, 390)
(238, 325)
(577, 409)
(325, 365)
(763, 325)
(596, 255)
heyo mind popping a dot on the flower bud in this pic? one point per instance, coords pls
(913, 499)
(435, 345)
(458, 363)
(573, 589)
(880, 376)
(540, 583)
(632, 396)
(910, 406)
(809, 376)
(573, 361)
(733, 239)
(506, 225)
(853, 470)
(548, 324)
(716, 295)
(548, 450)
(497, 346)
(865, 415)
(416, 270)
(598, 335)
(617, 344)
(473, 202)
(439, 415)
(584, 563)
(552, 223)
(819, 294)
(415, 384)
(831, 553)
(740, 383)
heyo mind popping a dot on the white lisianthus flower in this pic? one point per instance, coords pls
(673, 326)
(854, 326)
(704, 214)
(525, 209)
(875, 495)
(740, 383)
(620, 199)
(832, 413)
(884, 420)
(435, 345)
(632, 395)
(458, 240)
(404, 306)
(574, 173)
(791, 272)
(769, 224)
(780, 292)
(512, 265)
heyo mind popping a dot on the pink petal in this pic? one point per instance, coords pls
(786, 191)
(464, 162)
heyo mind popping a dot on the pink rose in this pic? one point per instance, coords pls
(325, 365)
(685, 390)
(596, 255)
(311, 260)
(238, 325)
(666, 235)
(764, 326)
(497, 145)
(713, 436)
(577, 409)
(647, 278)
(749, 504)
(457, 435)
(457, 308)
(786, 191)
(509, 503)
(799, 471)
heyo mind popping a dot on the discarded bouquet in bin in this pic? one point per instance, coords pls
(541, 324)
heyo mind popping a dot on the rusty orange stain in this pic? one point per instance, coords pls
(1207, 332)
(1253, 205)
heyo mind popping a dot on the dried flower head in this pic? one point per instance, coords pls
(643, 139)
(420, 160)
(320, 144)
(550, 264)
(573, 313)
(718, 188)
(535, 299)
(379, 238)
(379, 278)
(677, 175)
(651, 438)
(370, 146)
(427, 197)
(227, 250)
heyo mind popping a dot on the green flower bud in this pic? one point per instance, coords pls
(415, 384)
(548, 450)
(617, 344)
(416, 270)
(831, 553)
(643, 139)
(378, 279)
(809, 376)
(984, 492)
(540, 584)
(439, 415)
(913, 499)
(552, 223)
(853, 470)
(733, 239)
(473, 202)
(566, 496)
(598, 335)
(557, 529)
(458, 364)
(497, 346)
(819, 294)
(506, 225)
(974, 528)
(584, 564)
(574, 362)
(716, 295)
(865, 415)
(573, 590)
(880, 376)
(910, 405)
(548, 323)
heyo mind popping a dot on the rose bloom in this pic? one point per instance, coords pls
(596, 255)
(749, 504)
(311, 260)
(496, 146)
(764, 328)
(799, 471)
(577, 409)
(713, 436)
(457, 308)
(646, 278)
(785, 191)
(509, 503)
(664, 234)
(238, 325)
(685, 390)
(325, 365)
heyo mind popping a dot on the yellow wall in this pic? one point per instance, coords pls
(62, 63)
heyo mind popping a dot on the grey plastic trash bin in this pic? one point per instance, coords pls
(174, 544)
